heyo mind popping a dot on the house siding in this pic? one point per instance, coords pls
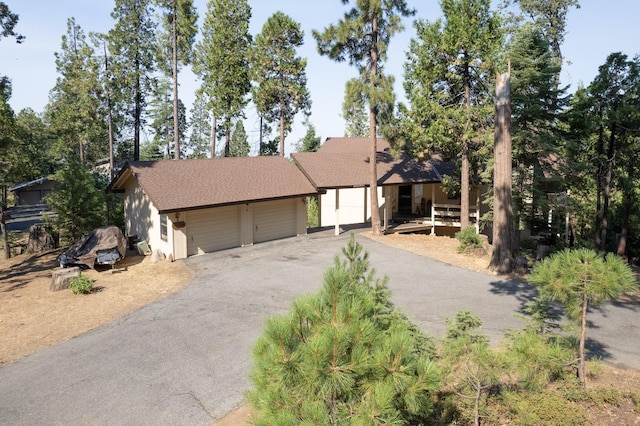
(142, 219)
(354, 206)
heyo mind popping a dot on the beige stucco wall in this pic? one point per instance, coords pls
(354, 206)
(142, 219)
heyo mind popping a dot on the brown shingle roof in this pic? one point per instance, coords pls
(189, 184)
(351, 169)
(344, 145)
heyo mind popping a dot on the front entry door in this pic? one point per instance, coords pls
(404, 203)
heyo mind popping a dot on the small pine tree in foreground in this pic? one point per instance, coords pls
(343, 355)
(580, 279)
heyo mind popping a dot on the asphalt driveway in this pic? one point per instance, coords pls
(184, 360)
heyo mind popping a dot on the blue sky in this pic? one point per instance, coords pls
(595, 30)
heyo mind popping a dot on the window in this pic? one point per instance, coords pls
(163, 227)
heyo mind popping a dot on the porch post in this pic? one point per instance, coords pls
(478, 210)
(433, 209)
(337, 226)
(385, 194)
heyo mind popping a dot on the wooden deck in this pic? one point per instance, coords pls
(444, 215)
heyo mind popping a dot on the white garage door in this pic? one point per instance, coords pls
(274, 219)
(213, 229)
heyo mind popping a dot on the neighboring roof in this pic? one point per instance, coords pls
(174, 185)
(351, 169)
(30, 183)
(344, 145)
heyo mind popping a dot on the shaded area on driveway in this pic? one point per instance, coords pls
(184, 360)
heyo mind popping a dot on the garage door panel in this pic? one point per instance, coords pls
(213, 229)
(273, 220)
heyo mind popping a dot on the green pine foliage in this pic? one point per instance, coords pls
(78, 201)
(81, 285)
(469, 239)
(280, 89)
(312, 212)
(343, 355)
(221, 61)
(239, 141)
(579, 279)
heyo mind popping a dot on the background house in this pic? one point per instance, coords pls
(32, 192)
(188, 207)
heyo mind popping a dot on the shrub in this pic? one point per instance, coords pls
(312, 212)
(81, 285)
(469, 240)
(12, 237)
(343, 356)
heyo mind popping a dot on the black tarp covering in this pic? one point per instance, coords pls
(106, 245)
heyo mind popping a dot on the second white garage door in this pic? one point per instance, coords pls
(213, 229)
(273, 220)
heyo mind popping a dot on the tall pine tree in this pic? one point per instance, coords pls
(449, 70)
(362, 37)
(281, 81)
(75, 110)
(221, 61)
(179, 22)
(132, 43)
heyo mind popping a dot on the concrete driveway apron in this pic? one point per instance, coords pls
(184, 360)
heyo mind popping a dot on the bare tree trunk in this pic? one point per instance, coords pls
(3, 229)
(109, 113)
(583, 338)
(600, 172)
(282, 132)
(136, 116)
(502, 254)
(464, 187)
(373, 148)
(213, 135)
(176, 110)
(227, 142)
(464, 166)
(607, 189)
(621, 249)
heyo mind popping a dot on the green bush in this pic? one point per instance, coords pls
(312, 212)
(81, 285)
(469, 239)
(343, 356)
(12, 237)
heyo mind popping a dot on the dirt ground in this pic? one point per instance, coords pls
(33, 318)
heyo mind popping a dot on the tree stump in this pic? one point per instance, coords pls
(39, 239)
(61, 277)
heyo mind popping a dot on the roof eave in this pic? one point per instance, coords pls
(233, 203)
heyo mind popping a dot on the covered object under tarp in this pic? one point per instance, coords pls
(104, 245)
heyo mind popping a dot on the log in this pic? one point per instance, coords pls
(61, 277)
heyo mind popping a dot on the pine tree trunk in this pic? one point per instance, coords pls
(213, 135)
(373, 149)
(227, 142)
(176, 110)
(137, 114)
(464, 166)
(502, 255)
(464, 187)
(282, 132)
(3, 229)
(599, 173)
(621, 249)
(583, 338)
(607, 190)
